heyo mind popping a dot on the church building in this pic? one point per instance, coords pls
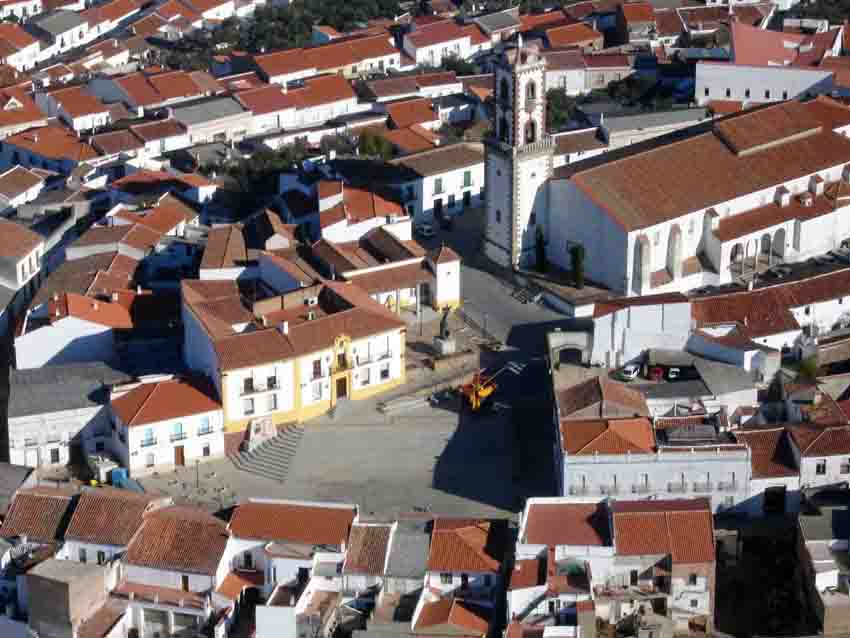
(762, 187)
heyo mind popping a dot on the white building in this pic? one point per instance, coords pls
(444, 181)
(22, 51)
(164, 422)
(44, 422)
(753, 85)
(76, 107)
(279, 539)
(21, 9)
(19, 186)
(431, 44)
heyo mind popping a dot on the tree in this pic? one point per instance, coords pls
(577, 254)
(560, 109)
(540, 247)
(373, 145)
(459, 65)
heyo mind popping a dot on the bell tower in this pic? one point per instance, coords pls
(518, 158)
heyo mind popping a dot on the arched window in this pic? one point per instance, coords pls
(498, 216)
(530, 132)
(503, 129)
(531, 91)
(503, 89)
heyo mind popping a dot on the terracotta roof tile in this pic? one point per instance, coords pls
(567, 524)
(236, 582)
(572, 35)
(292, 522)
(366, 551)
(610, 396)
(17, 180)
(41, 514)
(107, 516)
(822, 441)
(682, 529)
(771, 453)
(158, 130)
(439, 32)
(18, 241)
(638, 12)
(183, 539)
(104, 313)
(467, 546)
(409, 112)
(459, 617)
(612, 436)
(165, 400)
(53, 142)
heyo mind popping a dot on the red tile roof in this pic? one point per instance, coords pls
(18, 241)
(409, 112)
(104, 313)
(567, 524)
(638, 12)
(572, 35)
(366, 551)
(815, 441)
(41, 514)
(531, 21)
(437, 33)
(612, 436)
(611, 397)
(165, 400)
(178, 538)
(683, 529)
(467, 546)
(53, 142)
(455, 615)
(763, 47)
(338, 54)
(265, 99)
(292, 522)
(107, 516)
(236, 582)
(771, 453)
(15, 35)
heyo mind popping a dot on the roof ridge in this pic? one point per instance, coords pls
(144, 403)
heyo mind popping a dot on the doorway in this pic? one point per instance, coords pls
(341, 388)
(467, 199)
(179, 456)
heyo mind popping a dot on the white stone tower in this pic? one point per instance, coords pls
(518, 159)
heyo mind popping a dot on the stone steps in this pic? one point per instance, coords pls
(273, 458)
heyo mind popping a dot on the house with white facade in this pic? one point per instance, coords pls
(169, 570)
(80, 110)
(104, 522)
(71, 328)
(431, 44)
(769, 66)
(280, 540)
(20, 269)
(21, 9)
(59, 31)
(54, 407)
(624, 556)
(19, 186)
(22, 50)
(165, 422)
(440, 182)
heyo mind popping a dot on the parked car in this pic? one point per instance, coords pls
(426, 231)
(630, 372)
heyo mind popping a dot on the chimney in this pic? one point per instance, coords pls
(782, 197)
(816, 184)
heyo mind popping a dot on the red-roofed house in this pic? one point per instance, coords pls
(636, 22)
(430, 44)
(21, 9)
(75, 106)
(166, 422)
(18, 48)
(620, 554)
(70, 329)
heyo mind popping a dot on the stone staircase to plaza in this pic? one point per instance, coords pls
(273, 458)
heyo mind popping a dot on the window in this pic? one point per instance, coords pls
(177, 433)
(845, 467)
(247, 560)
(503, 89)
(365, 376)
(54, 455)
(467, 178)
(451, 201)
(148, 439)
(706, 91)
(728, 92)
(694, 603)
(317, 368)
(385, 371)
(784, 95)
(656, 238)
(271, 405)
(532, 219)
(808, 311)
(530, 132)
(83, 557)
(184, 582)
(248, 406)
(271, 382)
(464, 580)
(101, 558)
(531, 91)
(498, 216)
(820, 468)
(438, 185)
(206, 450)
(317, 390)
(488, 580)
(767, 94)
(248, 385)
(205, 427)
(410, 194)
(747, 93)
(99, 446)
(692, 579)
(445, 579)
(691, 226)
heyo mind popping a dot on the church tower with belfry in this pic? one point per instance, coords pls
(518, 159)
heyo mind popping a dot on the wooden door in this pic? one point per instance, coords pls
(179, 457)
(341, 388)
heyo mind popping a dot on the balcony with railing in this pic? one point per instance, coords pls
(641, 488)
(703, 486)
(372, 357)
(579, 490)
(256, 388)
(178, 436)
(677, 488)
(205, 431)
(609, 489)
(147, 443)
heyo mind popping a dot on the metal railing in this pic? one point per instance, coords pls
(578, 490)
(727, 486)
(677, 488)
(703, 486)
(609, 489)
(178, 436)
(148, 443)
(642, 488)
